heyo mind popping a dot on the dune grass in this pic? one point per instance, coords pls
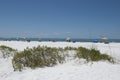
(47, 56)
(7, 51)
(37, 57)
(92, 55)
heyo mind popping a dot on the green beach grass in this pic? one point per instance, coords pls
(48, 57)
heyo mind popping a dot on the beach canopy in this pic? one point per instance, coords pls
(68, 39)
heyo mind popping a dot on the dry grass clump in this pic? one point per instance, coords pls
(6, 51)
(37, 57)
(92, 55)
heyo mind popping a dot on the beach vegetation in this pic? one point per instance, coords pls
(92, 55)
(37, 57)
(6, 51)
(70, 48)
(50, 56)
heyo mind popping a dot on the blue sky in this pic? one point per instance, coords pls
(60, 18)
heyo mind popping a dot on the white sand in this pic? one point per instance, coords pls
(67, 71)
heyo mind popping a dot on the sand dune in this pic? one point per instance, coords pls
(71, 70)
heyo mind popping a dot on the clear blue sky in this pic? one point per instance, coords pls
(60, 18)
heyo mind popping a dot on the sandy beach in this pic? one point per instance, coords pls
(70, 70)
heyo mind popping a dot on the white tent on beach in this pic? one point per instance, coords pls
(104, 39)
